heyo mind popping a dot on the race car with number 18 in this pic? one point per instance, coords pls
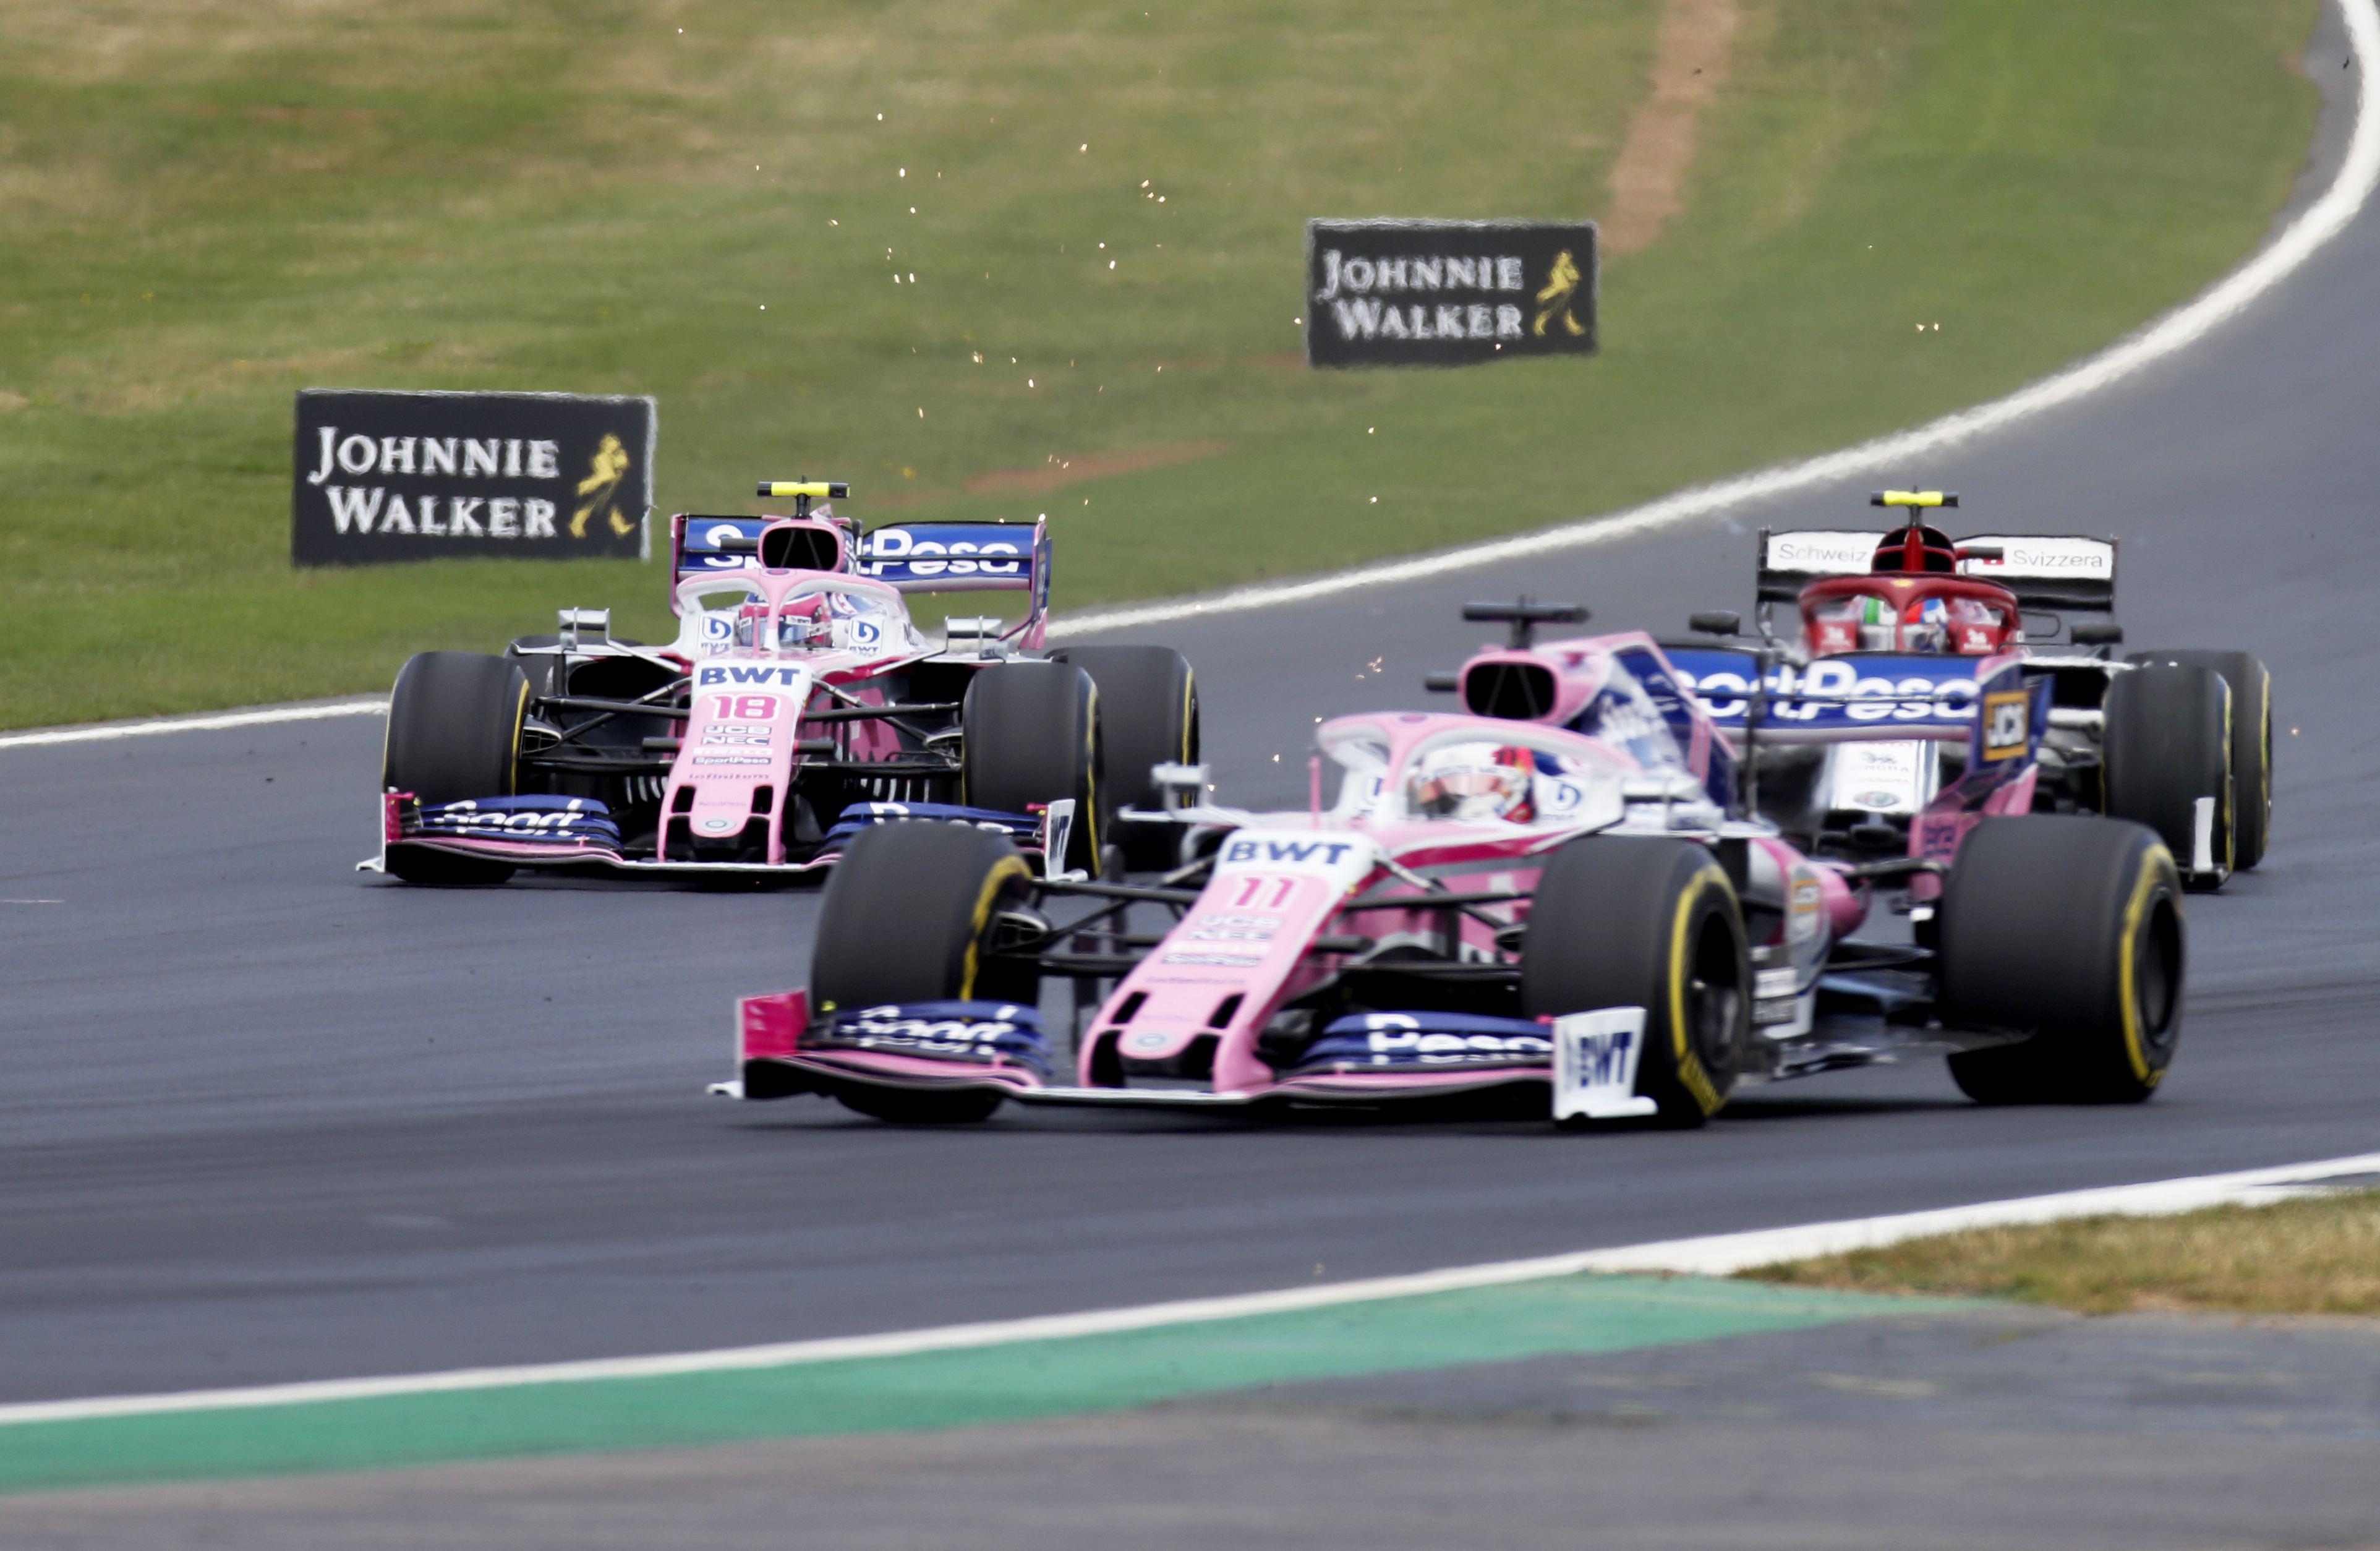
(797, 705)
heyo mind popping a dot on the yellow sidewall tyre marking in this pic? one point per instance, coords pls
(1689, 1064)
(2154, 863)
(520, 720)
(1001, 871)
(1091, 778)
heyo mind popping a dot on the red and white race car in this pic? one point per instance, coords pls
(797, 705)
(2180, 741)
(1561, 900)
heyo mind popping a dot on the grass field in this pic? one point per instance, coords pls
(204, 206)
(2320, 1254)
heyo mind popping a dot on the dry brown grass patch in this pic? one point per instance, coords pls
(2317, 1254)
(1694, 50)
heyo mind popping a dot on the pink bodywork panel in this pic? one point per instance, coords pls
(1581, 668)
(1248, 934)
(746, 716)
(771, 1025)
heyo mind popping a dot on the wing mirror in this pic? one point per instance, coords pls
(2096, 633)
(1524, 616)
(1442, 684)
(1716, 622)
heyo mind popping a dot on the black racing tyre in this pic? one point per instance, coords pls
(1641, 921)
(919, 1106)
(2167, 744)
(539, 668)
(905, 919)
(453, 732)
(1149, 715)
(2069, 926)
(2251, 743)
(1032, 736)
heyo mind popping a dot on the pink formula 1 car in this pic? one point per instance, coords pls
(797, 705)
(1563, 899)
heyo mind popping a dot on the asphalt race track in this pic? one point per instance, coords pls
(269, 1119)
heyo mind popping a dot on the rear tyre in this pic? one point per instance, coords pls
(2251, 743)
(453, 732)
(1149, 715)
(2068, 927)
(2167, 744)
(1032, 736)
(905, 918)
(1640, 921)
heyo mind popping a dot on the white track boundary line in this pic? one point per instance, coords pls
(106, 731)
(2322, 221)
(1717, 1255)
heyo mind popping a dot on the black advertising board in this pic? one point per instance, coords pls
(383, 477)
(1446, 292)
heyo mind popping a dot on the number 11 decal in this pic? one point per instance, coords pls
(1263, 891)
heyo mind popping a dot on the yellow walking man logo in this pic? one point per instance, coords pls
(1561, 286)
(610, 463)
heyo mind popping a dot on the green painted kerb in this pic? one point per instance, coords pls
(1012, 1382)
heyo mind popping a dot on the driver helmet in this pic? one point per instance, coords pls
(798, 623)
(1928, 627)
(1474, 782)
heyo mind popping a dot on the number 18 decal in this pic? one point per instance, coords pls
(744, 707)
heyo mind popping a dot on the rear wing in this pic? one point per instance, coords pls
(706, 546)
(2043, 572)
(2048, 573)
(1790, 562)
(964, 557)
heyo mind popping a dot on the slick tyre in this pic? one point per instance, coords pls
(905, 918)
(2251, 743)
(1031, 736)
(2069, 928)
(1149, 715)
(2168, 744)
(1640, 921)
(453, 732)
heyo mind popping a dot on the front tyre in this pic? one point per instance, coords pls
(1031, 736)
(453, 734)
(1642, 921)
(2067, 928)
(906, 917)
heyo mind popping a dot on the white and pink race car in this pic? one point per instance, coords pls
(1563, 901)
(798, 706)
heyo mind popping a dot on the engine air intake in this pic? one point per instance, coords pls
(1511, 691)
